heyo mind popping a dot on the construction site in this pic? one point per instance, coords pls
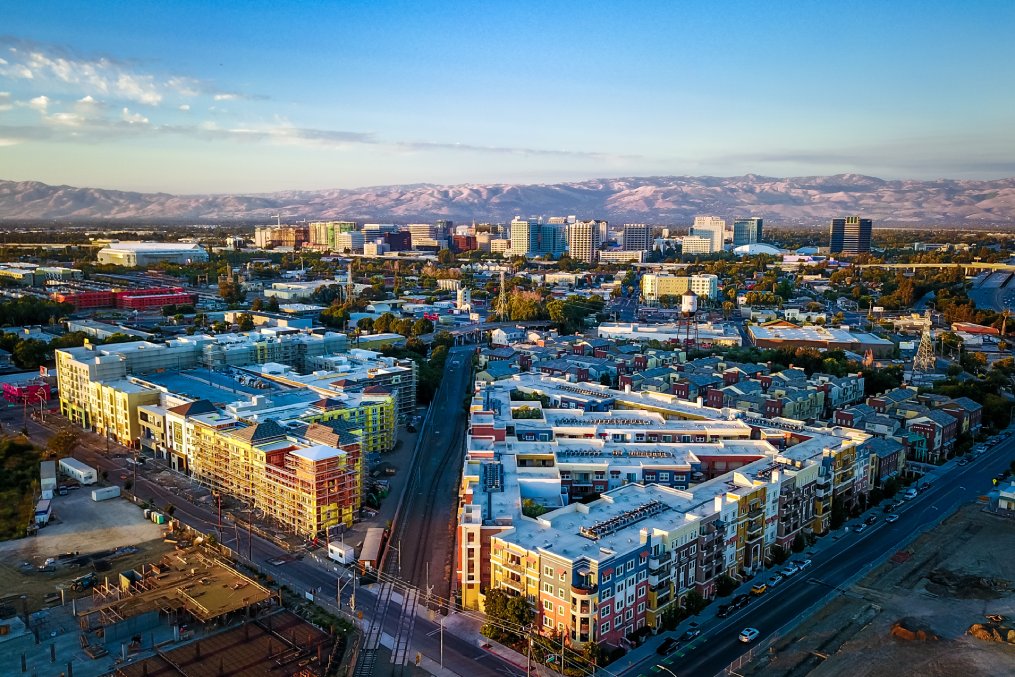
(188, 613)
(943, 606)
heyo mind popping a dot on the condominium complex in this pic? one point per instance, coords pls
(290, 237)
(747, 231)
(277, 418)
(850, 235)
(584, 241)
(532, 237)
(324, 234)
(711, 227)
(637, 237)
(687, 493)
(654, 287)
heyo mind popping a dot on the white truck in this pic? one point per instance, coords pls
(75, 469)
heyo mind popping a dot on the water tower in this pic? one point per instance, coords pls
(687, 322)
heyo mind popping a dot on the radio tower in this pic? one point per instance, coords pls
(502, 303)
(925, 359)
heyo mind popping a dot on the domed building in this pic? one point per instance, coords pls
(756, 248)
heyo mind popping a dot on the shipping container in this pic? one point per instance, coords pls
(373, 545)
(105, 493)
(85, 474)
(43, 511)
(47, 475)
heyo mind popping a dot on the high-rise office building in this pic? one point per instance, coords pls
(696, 244)
(747, 231)
(851, 235)
(637, 237)
(584, 240)
(323, 234)
(524, 236)
(711, 227)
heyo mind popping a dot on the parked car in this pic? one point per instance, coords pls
(740, 601)
(804, 563)
(892, 518)
(790, 569)
(776, 580)
(889, 507)
(748, 635)
(871, 520)
(724, 610)
(759, 589)
(860, 528)
(963, 461)
(910, 494)
(668, 645)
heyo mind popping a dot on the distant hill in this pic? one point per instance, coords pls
(662, 199)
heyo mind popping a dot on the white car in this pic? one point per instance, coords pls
(748, 635)
(804, 563)
(790, 569)
(776, 580)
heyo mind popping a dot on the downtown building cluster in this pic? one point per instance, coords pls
(279, 419)
(686, 494)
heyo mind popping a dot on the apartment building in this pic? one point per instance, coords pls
(654, 287)
(661, 528)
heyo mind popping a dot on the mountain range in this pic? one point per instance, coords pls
(804, 200)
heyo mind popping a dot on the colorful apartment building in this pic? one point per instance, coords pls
(684, 497)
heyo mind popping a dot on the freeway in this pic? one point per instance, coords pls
(833, 570)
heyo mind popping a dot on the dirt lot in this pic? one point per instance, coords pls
(943, 583)
(107, 536)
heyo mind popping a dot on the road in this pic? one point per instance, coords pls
(851, 556)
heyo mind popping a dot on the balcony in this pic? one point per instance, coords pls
(654, 561)
(755, 514)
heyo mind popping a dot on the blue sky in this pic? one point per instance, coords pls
(261, 96)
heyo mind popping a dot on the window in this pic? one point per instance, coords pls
(562, 576)
(642, 575)
(629, 614)
(560, 610)
(548, 605)
(641, 607)
(548, 588)
(605, 611)
(604, 628)
(547, 622)
(560, 593)
(606, 577)
(664, 477)
(618, 621)
(548, 571)
(630, 565)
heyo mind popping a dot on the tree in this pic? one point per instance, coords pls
(272, 304)
(446, 256)
(421, 326)
(257, 305)
(799, 543)
(503, 610)
(725, 585)
(246, 322)
(30, 353)
(63, 443)
(366, 324)
(444, 338)
(694, 602)
(779, 554)
(231, 292)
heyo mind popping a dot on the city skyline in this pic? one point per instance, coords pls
(264, 98)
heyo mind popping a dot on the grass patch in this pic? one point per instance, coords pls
(19, 483)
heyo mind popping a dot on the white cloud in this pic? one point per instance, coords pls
(66, 119)
(40, 103)
(87, 99)
(8, 142)
(134, 118)
(185, 107)
(109, 78)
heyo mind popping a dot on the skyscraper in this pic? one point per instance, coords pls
(851, 235)
(747, 231)
(711, 227)
(637, 237)
(524, 236)
(584, 240)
